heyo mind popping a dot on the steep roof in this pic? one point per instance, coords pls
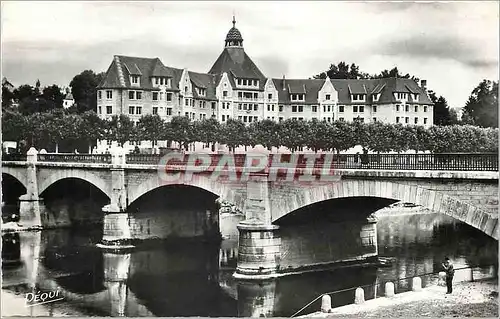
(204, 81)
(235, 61)
(345, 88)
(118, 74)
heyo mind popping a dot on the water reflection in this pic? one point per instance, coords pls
(194, 278)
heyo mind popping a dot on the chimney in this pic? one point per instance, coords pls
(284, 85)
(423, 84)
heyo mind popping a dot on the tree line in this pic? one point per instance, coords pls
(57, 128)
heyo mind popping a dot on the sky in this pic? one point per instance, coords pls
(453, 45)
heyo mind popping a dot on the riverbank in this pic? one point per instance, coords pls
(469, 299)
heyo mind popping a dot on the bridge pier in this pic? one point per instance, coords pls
(117, 231)
(30, 205)
(259, 242)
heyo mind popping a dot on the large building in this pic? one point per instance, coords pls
(235, 88)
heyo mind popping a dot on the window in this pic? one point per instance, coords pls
(108, 142)
(185, 89)
(416, 120)
(301, 118)
(255, 118)
(341, 108)
(397, 119)
(186, 102)
(134, 79)
(416, 108)
(255, 96)
(239, 106)
(415, 97)
(374, 119)
(425, 120)
(224, 93)
(280, 108)
(314, 108)
(358, 97)
(244, 119)
(268, 107)
(374, 108)
(362, 120)
(270, 96)
(109, 109)
(169, 97)
(131, 95)
(155, 96)
(99, 94)
(186, 114)
(327, 97)
(361, 108)
(213, 105)
(240, 118)
(355, 108)
(255, 107)
(301, 108)
(425, 108)
(131, 110)
(407, 108)
(272, 107)
(109, 95)
(341, 119)
(156, 81)
(169, 111)
(138, 110)
(99, 110)
(397, 107)
(376, 97)
(280, 119)
(155, 110)
(223, 117)
(294, 108)
(407, 120)
(138, 95)
(329, 110)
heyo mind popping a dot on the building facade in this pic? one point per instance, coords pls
(235, 88)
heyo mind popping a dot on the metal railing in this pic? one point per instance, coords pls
(400, 162)
(399, 288)
(75, 158)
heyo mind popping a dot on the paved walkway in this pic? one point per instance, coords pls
(477, 299)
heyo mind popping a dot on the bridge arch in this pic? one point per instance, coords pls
(220, 189)
(20, 176)
(428, 198)
(77, 174)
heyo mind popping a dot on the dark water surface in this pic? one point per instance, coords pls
(195, 278)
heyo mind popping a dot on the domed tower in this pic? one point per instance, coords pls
(233, 37)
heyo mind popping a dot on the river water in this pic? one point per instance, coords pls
(195, 278)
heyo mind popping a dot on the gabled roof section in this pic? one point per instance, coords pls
(237, 63)
(310, 87)
(204, 81)
(356, 87)
(160, 70)
(378, 88)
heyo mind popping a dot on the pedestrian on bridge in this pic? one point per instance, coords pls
(450, 272)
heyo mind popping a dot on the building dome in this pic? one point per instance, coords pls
(233, 37)
(234, 34)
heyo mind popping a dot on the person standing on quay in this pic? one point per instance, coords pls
(450, 271)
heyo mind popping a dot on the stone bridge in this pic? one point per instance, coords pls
(469, 194)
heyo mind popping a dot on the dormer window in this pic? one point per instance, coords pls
(376, 97)
(401, 96)
(327, 97)
(134, 79)
(247, 82)
(358, 97)
(297, 97)
(415, 97)
(202, 92)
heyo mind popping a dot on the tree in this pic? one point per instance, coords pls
(150, 128)
(482, 105)
(441, 109)
(207, 131)
(180, 129)
(14, 126)
(341, 71)
(92, 128)
(233, 133)
(319, 131)
(454, 117)
(120, 129)
(7, 97)
(53, 93)
(265, 133)
(84, 90)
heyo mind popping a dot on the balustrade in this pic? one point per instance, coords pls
(445, 162)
